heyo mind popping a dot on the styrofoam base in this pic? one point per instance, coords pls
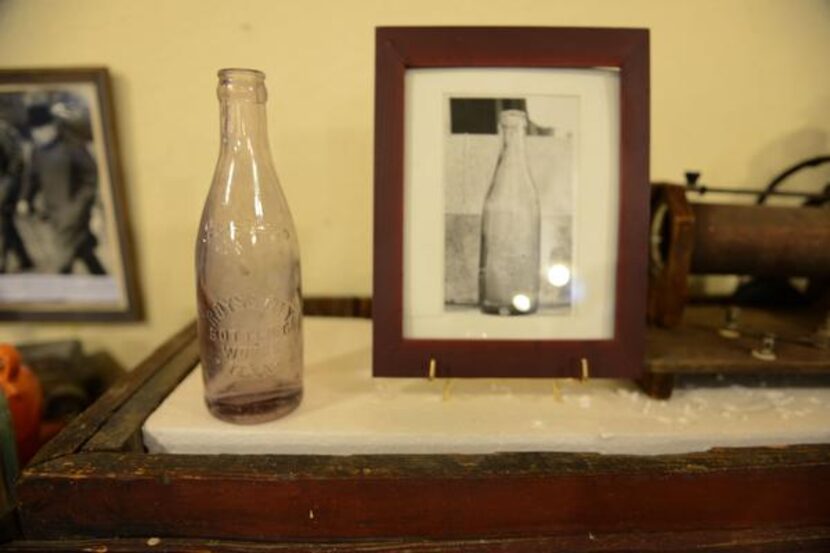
(346, 411)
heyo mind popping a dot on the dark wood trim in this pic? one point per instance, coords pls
(656, 385)
(401, 48)
(387, 287)
(356, 307)
(667, 290)
(265, 468)
(759, 540)
(126, 241)
(432, 496)
(46, 75)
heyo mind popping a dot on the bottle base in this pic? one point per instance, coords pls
(504, 310)
(254, 408)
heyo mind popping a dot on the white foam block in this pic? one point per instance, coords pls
(346, 411)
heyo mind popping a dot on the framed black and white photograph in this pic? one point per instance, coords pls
(509, 177)
(65, 250)
(511, 201)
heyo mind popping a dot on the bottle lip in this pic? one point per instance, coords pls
(229, 73)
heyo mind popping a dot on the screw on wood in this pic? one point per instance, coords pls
(767, 349)
(731, 327)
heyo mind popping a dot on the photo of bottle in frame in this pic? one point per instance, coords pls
(508, 190)
(511, 202)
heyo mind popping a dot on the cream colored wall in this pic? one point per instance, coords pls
(740, 88)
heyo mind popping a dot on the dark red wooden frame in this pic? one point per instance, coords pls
(402, 48)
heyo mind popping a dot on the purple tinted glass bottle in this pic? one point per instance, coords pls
(248, 269)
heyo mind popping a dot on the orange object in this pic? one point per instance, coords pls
(25, 398)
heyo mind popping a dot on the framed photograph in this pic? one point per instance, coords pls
(511, 202)
(65, 248)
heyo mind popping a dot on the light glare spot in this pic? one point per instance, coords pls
(559, 275)
(521, 302)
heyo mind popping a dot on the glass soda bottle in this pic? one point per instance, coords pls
(510, 227)
(248, 269)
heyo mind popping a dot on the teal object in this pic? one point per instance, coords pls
(8, 450)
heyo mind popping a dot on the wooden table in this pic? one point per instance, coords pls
(93, 488)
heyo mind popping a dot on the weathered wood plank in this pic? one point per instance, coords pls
(758, 540)
(657, 385)
(694, 347)
(356, 307)
(438, 497)
(76, 434)
(122, 430)
(325, 467)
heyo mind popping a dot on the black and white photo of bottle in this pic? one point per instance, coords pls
(510, 228)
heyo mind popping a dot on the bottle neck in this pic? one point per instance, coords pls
(243, 126)
(242, 96)
(514, 139)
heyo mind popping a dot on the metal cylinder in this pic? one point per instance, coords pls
(761, 240)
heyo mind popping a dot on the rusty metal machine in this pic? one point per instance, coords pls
(778, 319)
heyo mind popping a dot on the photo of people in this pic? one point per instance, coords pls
(59, 231)
(55, 188)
